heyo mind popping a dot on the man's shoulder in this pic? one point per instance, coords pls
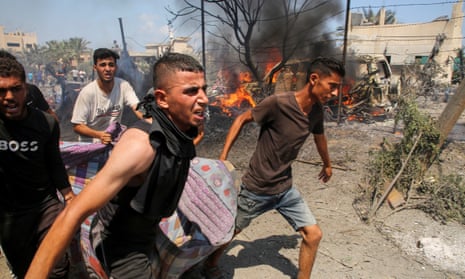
(33, 91)
(32, 87)
(122, 83)
(119, 80)
(38, 116)
(89, 88)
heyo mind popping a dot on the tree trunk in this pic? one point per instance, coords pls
(452, 112)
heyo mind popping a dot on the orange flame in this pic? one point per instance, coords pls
(245, 77)
(234, 100)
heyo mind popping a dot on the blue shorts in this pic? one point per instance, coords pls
(289, 203)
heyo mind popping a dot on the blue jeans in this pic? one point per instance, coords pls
(289, 204)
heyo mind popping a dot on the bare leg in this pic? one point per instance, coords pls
(311, 236)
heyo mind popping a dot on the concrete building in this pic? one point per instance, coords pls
(16, 41)
(407, 43)
(179, 44)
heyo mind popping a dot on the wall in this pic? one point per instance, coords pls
(403, 43)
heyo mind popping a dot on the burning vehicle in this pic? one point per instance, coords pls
(369, 91)
(231, 93)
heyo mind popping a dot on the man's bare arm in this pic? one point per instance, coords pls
(131, 156)
(234, 132)
(138, 114)
(322, 147)
(84, 130)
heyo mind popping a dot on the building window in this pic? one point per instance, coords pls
(28, 45)
(421, 60)
(13, 44)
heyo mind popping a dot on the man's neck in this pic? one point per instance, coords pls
(304, 99)
(106, 86)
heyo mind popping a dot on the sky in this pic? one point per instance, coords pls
(146, 21)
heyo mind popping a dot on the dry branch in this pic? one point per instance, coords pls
(393, 182)
(320, 164)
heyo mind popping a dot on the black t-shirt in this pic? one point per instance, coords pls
(31, 167)
(35, 98)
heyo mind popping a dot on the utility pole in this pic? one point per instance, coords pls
(203, 33)
(344, 54)
(125, 50)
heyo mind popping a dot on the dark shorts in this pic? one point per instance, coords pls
(289, 203)
(125, 248)
(22, 232)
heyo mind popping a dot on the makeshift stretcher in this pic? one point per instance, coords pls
(203, 221)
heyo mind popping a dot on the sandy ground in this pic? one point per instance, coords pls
(404, 244)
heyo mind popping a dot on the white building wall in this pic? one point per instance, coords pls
(16, 41)
(403, 42)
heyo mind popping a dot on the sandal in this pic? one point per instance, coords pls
(213, 272)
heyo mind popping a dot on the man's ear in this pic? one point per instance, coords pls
(313, 79)
(160, 98)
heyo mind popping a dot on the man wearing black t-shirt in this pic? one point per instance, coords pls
(31, 172)
(34, 97)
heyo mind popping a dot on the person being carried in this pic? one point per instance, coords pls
(31, 172)
(143, 178)
(102, 101)
(286, 120)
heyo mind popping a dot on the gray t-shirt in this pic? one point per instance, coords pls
(98, 110)
(284, 129)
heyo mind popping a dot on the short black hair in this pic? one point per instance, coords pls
(6, 54)
(12, 68)
(325, 66)
(170, 63)
(102, 53)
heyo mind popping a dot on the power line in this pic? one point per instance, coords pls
(408, 5)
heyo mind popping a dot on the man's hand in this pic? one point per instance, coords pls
(325, 174)
(105, 138)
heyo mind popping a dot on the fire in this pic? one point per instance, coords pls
(236, 100)
(268, 67)
(245, 77)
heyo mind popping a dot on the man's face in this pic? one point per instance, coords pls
(325, 87)
(12, 97)
(106, 69)
(184, 99)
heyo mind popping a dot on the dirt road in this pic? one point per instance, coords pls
(406, 244)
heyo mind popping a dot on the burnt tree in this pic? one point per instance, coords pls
(260, 32)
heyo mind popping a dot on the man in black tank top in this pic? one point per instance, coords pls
(286, 120)
(31, 172)
(143, 178)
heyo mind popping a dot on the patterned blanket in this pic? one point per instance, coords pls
(203, 221)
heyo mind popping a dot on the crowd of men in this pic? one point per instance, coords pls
(144, 176)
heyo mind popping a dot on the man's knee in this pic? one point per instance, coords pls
(311, 234)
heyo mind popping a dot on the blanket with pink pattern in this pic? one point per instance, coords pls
(203, 221)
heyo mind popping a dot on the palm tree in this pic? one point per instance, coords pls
(33, 57)
(76, 46)
(57, 51)
(371, 17)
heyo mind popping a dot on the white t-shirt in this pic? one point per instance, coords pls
(97, 110)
